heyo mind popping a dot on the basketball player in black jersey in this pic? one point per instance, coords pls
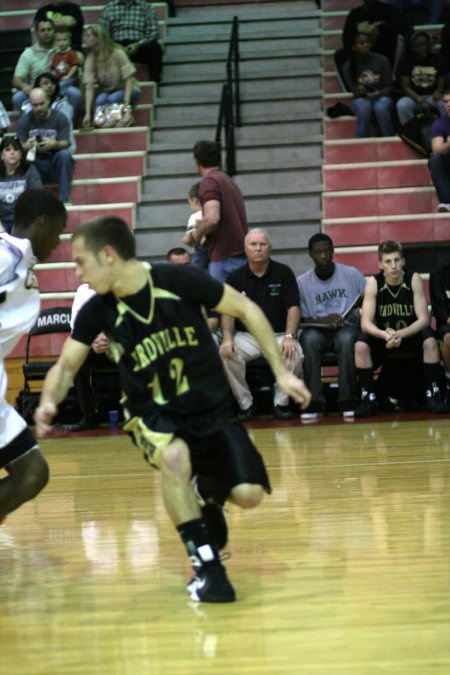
(176, 405)
(395, 317)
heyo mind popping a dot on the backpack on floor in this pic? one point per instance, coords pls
(417, 131)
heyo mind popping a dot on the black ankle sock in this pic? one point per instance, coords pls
(199, 546)
(365, 379)
(433, 374)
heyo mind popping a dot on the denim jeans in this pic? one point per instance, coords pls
(439, 166)
(108, 97)
(220, 269)
(57, 167)
(407, 108)
(381, 108)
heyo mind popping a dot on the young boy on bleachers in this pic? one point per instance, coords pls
(65, 62)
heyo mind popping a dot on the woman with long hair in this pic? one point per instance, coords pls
(108, 73)
(16, 176)
(368, 76)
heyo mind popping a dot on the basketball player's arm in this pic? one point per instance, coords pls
(57, 383)
(368, 311)
(240, 307)
(420, 308)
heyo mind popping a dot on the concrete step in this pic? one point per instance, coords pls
(252, 111)
(385, 202)
(113, 140)
(364, 176)
(247, 159)
(195, 32)
(406, 228)
(195, 68)
(110, 165)
(77, 214)
(285, 86)
(267, 48)
(388, 149)
(106, 190)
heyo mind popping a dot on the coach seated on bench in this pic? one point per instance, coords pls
(273, 287)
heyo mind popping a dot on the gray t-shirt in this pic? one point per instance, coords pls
(331, 296)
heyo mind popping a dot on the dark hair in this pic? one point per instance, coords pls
(36, 23)
(194, 191)
(207, 153)
(418, 34)
(13, 141)
(107, 231)
(389, 246)
(50, 76)
(177, 250)
(34, 203)
(316, 238)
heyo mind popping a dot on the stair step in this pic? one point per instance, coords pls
(112, 140)
(368, 150)
(405, 228)
(364, 176)
(110, 165)
(387, 202)
(81, 212)
(106, 190)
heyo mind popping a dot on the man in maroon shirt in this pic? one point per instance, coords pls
(224, 223)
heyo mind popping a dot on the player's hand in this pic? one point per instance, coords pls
(101, 344)
(294, 387)
(227, 349)
(43, 417)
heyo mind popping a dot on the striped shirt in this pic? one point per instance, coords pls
(136, 21)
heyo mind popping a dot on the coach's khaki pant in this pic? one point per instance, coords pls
(247, 349)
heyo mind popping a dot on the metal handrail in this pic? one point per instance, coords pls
(230, 104)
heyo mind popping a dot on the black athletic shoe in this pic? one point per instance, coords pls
(211, 584)
(436, 402)
(246, 415)
(368, 406)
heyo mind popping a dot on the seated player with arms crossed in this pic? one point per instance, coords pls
(177, 405)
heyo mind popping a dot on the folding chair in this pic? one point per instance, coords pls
(50, 321)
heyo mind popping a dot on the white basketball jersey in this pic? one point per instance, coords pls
(19, 291)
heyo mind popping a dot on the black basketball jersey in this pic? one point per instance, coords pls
(395, 304)
(160, 341)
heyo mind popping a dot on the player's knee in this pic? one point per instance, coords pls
(174, 459)
(430, 348)
(247, 495)
(446, 340)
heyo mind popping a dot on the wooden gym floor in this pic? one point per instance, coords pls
(344, 569)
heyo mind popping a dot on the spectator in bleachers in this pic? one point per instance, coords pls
(50, 84)
(224, 221)
(271, 285)
(395, 317)
(134, 25)
(65, 62)
(33, 61)
(369, 78)
(178, 255)
(64, 15)
(329, 293)
(46, 133)
(4, 119)
(420, 11)
(440, 302)
(421, 74)
(16, 176)
(386, 26)
(109, 75)
(36, 60)
(439, 163)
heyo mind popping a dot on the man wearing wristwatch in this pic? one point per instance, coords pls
(272, 286)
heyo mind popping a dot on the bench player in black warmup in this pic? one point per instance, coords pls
(395, 317)
(177, 406)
